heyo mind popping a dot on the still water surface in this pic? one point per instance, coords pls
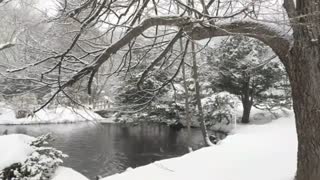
(96, 149)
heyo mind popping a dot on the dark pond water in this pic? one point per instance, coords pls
(106, 149)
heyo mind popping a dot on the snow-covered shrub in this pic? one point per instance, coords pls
(40, 165)
(23, 102)
(130, 96)
(218, 108)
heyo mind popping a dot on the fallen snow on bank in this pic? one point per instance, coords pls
(64, 173)
(15, 148)
(44, 116)
(264, 152)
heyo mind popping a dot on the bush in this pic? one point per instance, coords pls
(218, 108)
(40, 165)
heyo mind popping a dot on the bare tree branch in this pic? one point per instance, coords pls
(290, 8)
(195, 31)
(6, 45)
(134, 32)
(158, 59)
(11, 43)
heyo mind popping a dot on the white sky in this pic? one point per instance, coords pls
(47, 6)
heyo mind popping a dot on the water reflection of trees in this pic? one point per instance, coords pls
(112, 148)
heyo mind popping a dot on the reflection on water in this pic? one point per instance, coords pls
(106, 149)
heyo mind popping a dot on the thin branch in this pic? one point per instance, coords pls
(159, 58)
(12, 42)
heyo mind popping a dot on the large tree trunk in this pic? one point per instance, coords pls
(303, 67)
(304, 74)
(246, 111)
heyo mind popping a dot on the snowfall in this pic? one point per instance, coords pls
(264, 152)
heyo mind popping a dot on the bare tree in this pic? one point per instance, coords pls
(124, 21)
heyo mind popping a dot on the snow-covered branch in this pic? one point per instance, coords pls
(6, 45)
(11, 42)
(196, 30)
(133, 33)
(278, 41)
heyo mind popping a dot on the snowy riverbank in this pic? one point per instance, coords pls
(263, 152)
(46, 116)
(15, 148)
(254, 152)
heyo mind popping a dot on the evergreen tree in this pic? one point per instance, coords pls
(246, 69)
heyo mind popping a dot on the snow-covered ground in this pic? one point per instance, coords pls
(44, 116)
(15, 148)
(264, 152)
(65, 173)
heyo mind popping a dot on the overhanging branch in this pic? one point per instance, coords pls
(278, 42)
(133, 33)
(191, 27)
(159, 58)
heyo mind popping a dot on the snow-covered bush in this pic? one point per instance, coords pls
(130, 96)
(218, 108)
(40, 165)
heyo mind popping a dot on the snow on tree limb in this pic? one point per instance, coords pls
(6, 45)
(159, 58)
(278, 42)
(195, 30)
(133, 33)
(12, 41)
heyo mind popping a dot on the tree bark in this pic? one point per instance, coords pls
(186, 104)
(198, 98)
(187, 109)
(304, 73)
(246, 111)
(303, 67)
(246, 102)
